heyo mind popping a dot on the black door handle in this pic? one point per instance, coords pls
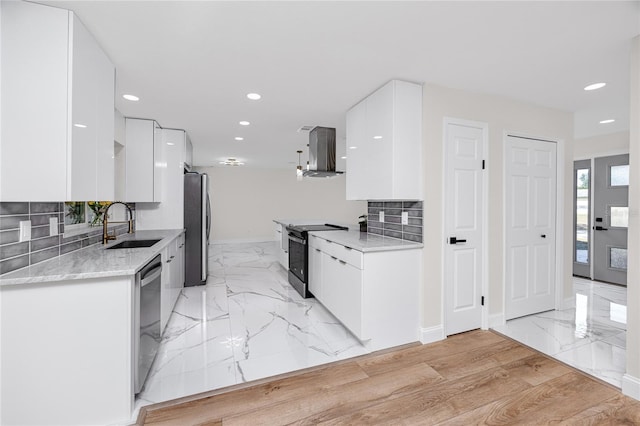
(600, 228)
(454, 240)
(543, 236)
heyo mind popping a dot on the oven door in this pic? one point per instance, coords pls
(298, 257)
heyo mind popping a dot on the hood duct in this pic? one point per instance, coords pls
(322, 153)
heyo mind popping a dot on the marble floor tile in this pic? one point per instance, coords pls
(590, 336)
(246, 323)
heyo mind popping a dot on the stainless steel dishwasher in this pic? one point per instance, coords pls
(147, 333)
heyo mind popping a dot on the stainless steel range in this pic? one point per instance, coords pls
(299, 254)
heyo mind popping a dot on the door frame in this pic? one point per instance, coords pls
(560, 213)
(484, 321)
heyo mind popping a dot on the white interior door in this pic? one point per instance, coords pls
(530, 213)
(463, 269)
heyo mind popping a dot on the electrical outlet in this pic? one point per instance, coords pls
(25, 230)
(381, 217)
(405, 218)
(53, 226)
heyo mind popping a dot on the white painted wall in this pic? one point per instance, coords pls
(601, 146)
(631, 380)
(502, 115)
(244, 201)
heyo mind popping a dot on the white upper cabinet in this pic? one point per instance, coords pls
(143, 158)
(167, 212)
(57, 108)
(384, 144)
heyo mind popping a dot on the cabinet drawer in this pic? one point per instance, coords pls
(345, 254)
(315, 242)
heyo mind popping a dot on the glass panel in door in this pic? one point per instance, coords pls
(582, 208)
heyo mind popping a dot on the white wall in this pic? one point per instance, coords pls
(502, 115)
(631, 381)
(244, 201)
(601, 146)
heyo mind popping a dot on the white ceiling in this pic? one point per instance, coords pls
(192, 63)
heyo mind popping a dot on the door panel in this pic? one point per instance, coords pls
(530, 227)
(611, 213)
(463, 220)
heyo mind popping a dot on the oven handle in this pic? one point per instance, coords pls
(297, 240)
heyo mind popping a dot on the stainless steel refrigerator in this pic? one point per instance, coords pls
(197, 223)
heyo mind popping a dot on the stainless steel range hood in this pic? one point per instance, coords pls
(322, 153)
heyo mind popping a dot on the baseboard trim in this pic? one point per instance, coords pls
(631, 386)
(432, 334)
(241, 240)
(496, 320)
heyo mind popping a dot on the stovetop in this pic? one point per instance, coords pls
(309, 228)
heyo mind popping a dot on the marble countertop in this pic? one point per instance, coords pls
(366, 243)
(94, 261)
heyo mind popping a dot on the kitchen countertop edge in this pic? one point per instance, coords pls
(374, 243)
(94, 261)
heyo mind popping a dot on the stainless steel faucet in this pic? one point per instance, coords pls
(105, 233)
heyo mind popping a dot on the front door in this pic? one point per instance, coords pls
(464, 148)
(530, 214)
(611, 218)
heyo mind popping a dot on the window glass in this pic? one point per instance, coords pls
(582, 215)
(619, 175)
(74, 213)
(618, 258)
(620, 217)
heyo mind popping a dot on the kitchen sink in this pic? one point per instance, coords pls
(133, 244)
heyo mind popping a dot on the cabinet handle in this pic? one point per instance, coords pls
(348, 248)
(318, 250)
(342, 261)
(181, 245)
(329, 241)
(334, 258)
(169, 261)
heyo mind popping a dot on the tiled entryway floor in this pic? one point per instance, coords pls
(591, 336)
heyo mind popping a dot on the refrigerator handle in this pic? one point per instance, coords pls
(208, 216)
(204, 217)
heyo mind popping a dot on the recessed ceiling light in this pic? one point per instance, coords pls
(239, 138)
(344, 158)
(82, 126)
(170, 143)
(244, 123)
(377, 137)
(611, 120)
(353, 147)
(595, 86)
(253, 96)
(133, 98)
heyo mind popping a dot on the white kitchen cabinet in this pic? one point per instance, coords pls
(143, 157)
(57, 118)
(172, 278)
(374, 294)
(172, 151)
(384, 140)
(282, 244)
(316, 269)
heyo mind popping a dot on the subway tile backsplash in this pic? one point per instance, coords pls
(392, 225)
(42, 246)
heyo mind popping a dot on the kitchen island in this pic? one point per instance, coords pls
(67, 333)
(370, 283)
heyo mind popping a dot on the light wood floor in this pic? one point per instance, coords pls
(472, 378)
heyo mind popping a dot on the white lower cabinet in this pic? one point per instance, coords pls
(316, 272)
(282, 242)
(172, 278)
(374, 294)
